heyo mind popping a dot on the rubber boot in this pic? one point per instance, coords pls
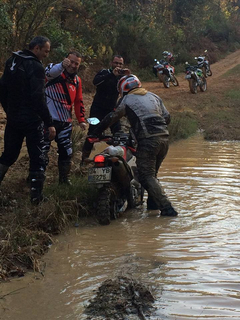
(64, 168)
(3, 171)
(169, 211)
(36, 186)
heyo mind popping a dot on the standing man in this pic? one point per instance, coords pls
(23, 100)
(63, 90)
(148, 118)
(105, 99)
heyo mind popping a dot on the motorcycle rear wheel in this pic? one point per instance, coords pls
(193, 85)
(106, 206)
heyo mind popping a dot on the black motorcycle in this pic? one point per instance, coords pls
(114, 174)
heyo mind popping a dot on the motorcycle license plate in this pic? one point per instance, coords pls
(188, 76)
(99, 175)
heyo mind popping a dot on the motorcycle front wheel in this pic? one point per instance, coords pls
(166, 81)
(135, 196)
(193, 85)
(203, 85)
(174, 81)
(106, 206)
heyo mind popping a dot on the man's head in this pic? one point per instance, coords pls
(117, 61)
(75, 60)
(128, 83)
(40, 46)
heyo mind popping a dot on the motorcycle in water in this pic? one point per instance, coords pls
(114, 174)
(195, 77)
(204, 64)
(165, 73)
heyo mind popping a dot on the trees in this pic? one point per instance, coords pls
(137, 29)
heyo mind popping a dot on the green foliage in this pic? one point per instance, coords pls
(138, 30)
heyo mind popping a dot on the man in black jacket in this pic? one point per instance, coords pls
(105, 98)
(23, 100)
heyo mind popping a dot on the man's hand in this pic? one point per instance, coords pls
(52, 133)
(65, 63)
(83, 125)
(121, 72)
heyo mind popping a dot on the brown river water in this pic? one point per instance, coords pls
(190, 262)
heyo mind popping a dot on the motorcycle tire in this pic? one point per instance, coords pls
(209, 72)
(166, 81)
(204, 70)
(193, 85)
(203, 85)
(174, 81)
(135, 196)
(106, 206)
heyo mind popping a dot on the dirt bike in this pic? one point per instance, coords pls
(166, 73)
(114, 174)
(196, 78)
(204, 64)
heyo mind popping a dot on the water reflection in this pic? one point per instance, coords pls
(191, 261)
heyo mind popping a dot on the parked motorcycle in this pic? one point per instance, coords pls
(204, 64)
(114, 174)
(166, 73)
(195, 77)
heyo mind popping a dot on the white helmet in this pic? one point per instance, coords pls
(127, 83)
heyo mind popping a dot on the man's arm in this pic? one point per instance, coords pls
(79, 108)
(3, 94)
(102, 76)
(37, 92)
(54, 70)
(110, 119)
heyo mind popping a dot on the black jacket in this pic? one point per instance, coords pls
(106, 93)
(23, 90)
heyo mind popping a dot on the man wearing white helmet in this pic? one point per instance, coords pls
(148, 118)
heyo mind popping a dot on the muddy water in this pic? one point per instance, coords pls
(191, 262)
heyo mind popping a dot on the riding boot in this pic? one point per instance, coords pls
(169, 211)
(36, 186)
(64, 168)
(3, 171)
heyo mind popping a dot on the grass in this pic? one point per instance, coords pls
(182, 126)
(233, 72)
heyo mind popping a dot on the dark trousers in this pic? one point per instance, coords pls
(13, 140)
(150, 154)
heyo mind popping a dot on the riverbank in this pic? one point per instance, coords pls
(26, 232)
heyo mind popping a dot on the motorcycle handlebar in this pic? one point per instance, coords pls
(94, 139)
